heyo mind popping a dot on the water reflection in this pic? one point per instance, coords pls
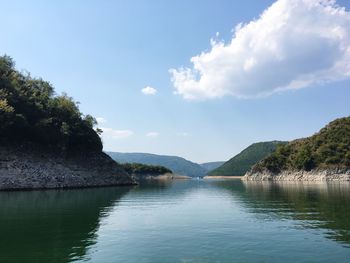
(52, 226)
(313, 205)
(180, 221)
(169, 189)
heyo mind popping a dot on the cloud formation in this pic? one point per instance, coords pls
(294, 44)
(152, 134)
(116, 134)
(149, 91)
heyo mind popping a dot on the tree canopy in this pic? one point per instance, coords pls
(143, 169)
(329, 148)
(31, 111)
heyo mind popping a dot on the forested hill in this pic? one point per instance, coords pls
(31, 111)
(329, 148)
(242, 162)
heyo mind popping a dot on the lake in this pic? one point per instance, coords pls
(179, 221)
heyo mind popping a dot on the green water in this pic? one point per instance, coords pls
(180, 221)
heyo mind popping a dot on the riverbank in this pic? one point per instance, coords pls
(29, 167)
(167, 176)
(223, 177)
(313, 175)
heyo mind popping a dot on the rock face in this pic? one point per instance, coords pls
(313, 175)
(31, 167)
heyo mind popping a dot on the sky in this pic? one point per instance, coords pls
(200, 79)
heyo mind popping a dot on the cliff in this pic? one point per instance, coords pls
(36, 167)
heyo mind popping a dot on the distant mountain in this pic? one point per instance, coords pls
(242, 162)
(176, 164)
(211, 165)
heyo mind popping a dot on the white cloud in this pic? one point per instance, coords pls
(149, 91)
(152, 134)
(101, 120)
(116, 134)
(294, 44)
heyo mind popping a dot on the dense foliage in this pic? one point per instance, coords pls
(143, 169)
(30, 111)
(329, 148)
(242, 162)
(177, 164)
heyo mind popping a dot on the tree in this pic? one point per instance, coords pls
(30, 111)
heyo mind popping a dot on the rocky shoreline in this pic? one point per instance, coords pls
(313, 175)
(222, 177)
(167, 176)
(32, 167)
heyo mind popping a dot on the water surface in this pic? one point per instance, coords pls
(179, 221)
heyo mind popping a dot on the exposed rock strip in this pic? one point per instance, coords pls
(31, 168)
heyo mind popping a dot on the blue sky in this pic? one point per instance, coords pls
(103, 53)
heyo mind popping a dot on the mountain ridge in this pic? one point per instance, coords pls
(243, 161)
(209, 166)
(177, 164)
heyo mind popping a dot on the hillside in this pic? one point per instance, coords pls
(327, 149)
(242, 162)
(211, 165)
(45, 141)
(176, 164)
(31, 111)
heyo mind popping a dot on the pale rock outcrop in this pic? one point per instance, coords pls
(313, 175)
(33, 167)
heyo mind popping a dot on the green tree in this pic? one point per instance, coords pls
(30, 111)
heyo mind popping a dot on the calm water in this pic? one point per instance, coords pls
(181, 221)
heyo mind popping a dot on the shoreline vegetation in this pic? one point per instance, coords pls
(151, 172)
(324, 156)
